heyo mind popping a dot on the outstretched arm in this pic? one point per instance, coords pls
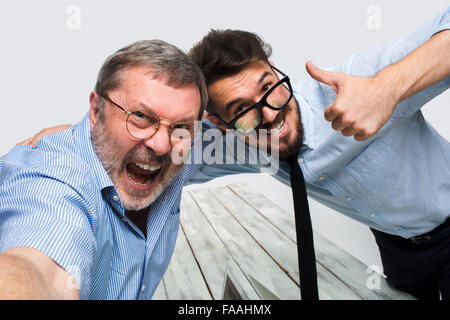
(364, 105)
(29, 274)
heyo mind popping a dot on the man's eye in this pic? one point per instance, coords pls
(183, 126)
(266, 87)
(240, 108)
(139, 115)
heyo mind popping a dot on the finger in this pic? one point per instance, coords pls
(35, 140)
(348, 132)
(360, 137)
(338, 124)
(364, 135)
(327, 77)
(330, 114)
(25, 142)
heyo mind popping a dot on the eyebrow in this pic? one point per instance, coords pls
(147, 111)
(238, 100)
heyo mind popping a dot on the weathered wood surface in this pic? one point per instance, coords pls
(234, 230)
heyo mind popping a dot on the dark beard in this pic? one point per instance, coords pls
(294, 146)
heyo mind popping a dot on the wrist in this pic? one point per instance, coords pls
(392, 86)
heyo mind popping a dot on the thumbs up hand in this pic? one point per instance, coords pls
(362, 106)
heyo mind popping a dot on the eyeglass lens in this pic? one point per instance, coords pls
(250, 120)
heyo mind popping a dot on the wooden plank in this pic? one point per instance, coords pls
(213, 258)
(183, 279)
(160, 292)
(282, 249)
(351, 271)
(250, 257)
(355, 273)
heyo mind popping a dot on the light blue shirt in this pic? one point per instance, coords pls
(57, 198)
(399, 180)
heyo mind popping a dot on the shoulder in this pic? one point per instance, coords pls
(55, 164)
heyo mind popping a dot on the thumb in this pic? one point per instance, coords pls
(327, 77)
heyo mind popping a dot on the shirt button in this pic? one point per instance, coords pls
(396, 228)
(300, 160)
(143, 288)
(348, 198)
(321, 178)
(116, 198)
(123, 219)
(372, 215)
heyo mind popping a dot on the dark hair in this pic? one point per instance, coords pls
(163, 59)
(223, 53)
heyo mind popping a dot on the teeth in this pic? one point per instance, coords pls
(278, 128)
(137, 183)
(147, 166)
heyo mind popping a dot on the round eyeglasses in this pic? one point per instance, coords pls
(143, 125)
(276, 98)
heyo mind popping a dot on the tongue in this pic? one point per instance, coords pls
(138, 174)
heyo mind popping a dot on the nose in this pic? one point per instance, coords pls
(269, 115)
(159, 142)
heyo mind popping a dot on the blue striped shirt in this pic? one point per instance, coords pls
(57, 198)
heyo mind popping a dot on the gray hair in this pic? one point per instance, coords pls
(162, 58)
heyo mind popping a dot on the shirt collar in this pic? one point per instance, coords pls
(82, 136)
(307, 121)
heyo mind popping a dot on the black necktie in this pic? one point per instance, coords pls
(305, 243)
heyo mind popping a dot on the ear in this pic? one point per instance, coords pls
(211, 117)
(94, 108)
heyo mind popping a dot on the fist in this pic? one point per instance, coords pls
(362, 106)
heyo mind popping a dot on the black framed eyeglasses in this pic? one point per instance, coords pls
(276, 98)
(143, 125)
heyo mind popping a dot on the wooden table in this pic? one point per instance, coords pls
(233, 231)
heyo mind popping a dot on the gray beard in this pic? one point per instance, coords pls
(133, 200)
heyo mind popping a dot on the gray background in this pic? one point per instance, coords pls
(48, 67)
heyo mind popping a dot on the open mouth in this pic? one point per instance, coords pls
(141, 175)
(278, 128)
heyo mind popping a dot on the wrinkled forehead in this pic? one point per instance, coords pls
(141, 90)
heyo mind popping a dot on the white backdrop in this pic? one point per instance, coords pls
(51, 51)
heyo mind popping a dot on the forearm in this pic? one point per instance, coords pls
(29, 274)
(20, 279)
(425, 66)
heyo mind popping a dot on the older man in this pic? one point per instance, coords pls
(92, 212)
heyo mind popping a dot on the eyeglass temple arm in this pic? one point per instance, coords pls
(279, 71)
(109, 100)
(228, 124)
